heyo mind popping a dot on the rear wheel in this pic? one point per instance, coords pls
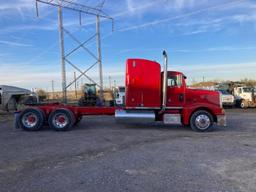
(201, 121)
(31, 119)
(61, 120)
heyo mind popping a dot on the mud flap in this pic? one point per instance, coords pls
(16, 120)
(221, 120)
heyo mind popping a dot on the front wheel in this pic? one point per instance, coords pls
(243, 104)
(201, 121)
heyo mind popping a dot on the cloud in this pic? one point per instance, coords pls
(179, 4)
(135, 8)
(184, 51)
(225, 71)
(15, 44)
(216, 67)
(25, 76)
(17, 4)
(130, 5)
(51, 25)
(235, 18)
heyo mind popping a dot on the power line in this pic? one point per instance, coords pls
(81, 9)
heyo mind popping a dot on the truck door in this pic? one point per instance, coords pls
(175, 90)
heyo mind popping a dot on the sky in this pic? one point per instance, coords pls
(214, 40)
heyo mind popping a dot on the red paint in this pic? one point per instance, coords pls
(176, 93)
(79, 111)
(143, 83)
(61, 119)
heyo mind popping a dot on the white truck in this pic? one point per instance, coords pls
(11, 97)
(120, 96)
(228, 99)
(245, 96)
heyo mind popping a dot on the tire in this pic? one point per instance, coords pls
(61, 119)
(31, 119)
(201, 121)
(243, 104)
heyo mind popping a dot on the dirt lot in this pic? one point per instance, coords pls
(100, 155)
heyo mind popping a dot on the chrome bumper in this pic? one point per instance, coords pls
(221, 120)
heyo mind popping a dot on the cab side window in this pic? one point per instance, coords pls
(174, 81)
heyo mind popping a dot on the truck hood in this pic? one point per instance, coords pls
(203, 96)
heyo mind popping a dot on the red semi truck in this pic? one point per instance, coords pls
(151, 95)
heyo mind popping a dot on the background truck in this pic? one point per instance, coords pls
(228, 99)
(11, 97)
(120, 96)
(91, 96)
(151, 95)
(245, 96)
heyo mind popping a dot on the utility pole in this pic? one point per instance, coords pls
(52, 89)
(110, 84)
(99, 55)
(62, 55)
(75, 84)
(115, 83)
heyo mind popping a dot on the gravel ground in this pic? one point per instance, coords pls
(100, 155)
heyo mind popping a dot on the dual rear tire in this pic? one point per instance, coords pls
(61, 120)
(33, 119)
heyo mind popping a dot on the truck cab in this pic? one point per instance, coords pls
(152, 95)
(12, 97)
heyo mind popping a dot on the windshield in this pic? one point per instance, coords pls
(247, 90)
(224, 92)
(121, 89)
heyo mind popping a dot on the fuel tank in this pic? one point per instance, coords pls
(137, 116)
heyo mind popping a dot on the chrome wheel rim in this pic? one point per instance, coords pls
(29, 120)
(202, 122)
(60, 120)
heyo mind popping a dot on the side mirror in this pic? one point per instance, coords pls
(185, 77)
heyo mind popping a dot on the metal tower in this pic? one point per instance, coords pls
(86, 10)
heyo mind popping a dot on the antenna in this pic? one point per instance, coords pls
(81, 9)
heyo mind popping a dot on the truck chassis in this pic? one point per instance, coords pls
(151, 95)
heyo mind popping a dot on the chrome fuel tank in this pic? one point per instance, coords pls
(134, 116)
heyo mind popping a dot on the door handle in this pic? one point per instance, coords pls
(181, 97)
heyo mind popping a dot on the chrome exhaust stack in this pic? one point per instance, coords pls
(164, 91)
